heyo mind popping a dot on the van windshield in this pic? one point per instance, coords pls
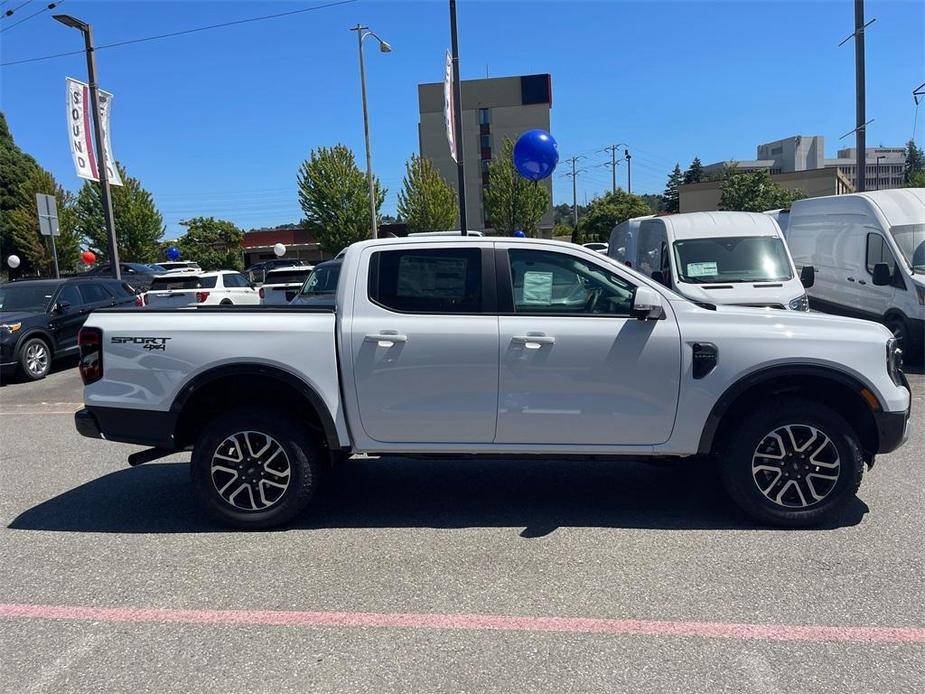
(911, 241)
(732, 259)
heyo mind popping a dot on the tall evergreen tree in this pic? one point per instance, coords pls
(694, 173)
(671, 194)
(139, 226)
(512, 202)
(915, 162)
(334, 195)
(15, 167)
(426, 201)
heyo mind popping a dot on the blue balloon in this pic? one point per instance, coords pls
(519, 234)
(536, 154)
(172, 253)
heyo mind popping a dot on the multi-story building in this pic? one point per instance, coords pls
(885, 166)
(493, 110)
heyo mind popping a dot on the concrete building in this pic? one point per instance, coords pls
(492, 110)
(884, 165)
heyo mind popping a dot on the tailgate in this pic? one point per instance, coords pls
(171, 297)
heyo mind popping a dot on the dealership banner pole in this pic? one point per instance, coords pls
(457, 117)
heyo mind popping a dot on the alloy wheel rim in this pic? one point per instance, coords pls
(796, 466)
(36, 358)
(250, 470)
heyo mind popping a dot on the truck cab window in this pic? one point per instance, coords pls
(446, 280)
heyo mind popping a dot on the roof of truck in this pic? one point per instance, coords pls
(697, 225)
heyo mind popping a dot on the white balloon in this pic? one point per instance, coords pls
(280, 250)
(13, 261)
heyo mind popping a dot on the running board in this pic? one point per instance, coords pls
(136, 459)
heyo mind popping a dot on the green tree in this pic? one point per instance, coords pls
(915, 162)
(139, 226)
(562, 213)
(426, 201)
(23, 220)
(605, 212)
(672, 194)
(694, 173)
(560, 230)
(15, 168)
(334, 195)
(755, 191)
(213, 243)
(512, 202)
(916, 180)
(655, 202)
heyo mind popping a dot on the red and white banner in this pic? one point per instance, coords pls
(448, 110)
(79, 129)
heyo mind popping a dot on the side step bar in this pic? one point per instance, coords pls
(141, 457)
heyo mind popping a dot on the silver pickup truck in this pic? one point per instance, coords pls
(498, 347)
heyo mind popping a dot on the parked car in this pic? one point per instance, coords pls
(39, 319)
(737, 258)
(256, 272)
(139, 275)
(867, 252)
(281, 284)
(221, 288)
(180, 266)
(487, 346)
(596, 246)
(320, 286)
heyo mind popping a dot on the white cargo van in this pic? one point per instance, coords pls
(868, 255)
(737, 258)
(622, 245)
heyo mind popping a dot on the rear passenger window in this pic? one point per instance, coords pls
(446, 280)
(235, 280)
(94, 293)
(878, 252)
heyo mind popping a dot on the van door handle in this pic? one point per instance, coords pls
(533, 341)
(861, 282)
(851, 279)
(386, 339)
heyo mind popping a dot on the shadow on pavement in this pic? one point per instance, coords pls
(11, 377)
(538, 495)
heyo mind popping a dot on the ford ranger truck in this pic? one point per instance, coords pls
(502, 347)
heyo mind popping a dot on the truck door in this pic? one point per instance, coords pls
(575, 367)
(424, 342)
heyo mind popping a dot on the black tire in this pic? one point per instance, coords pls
(896, 325)
(247, 509)
(226, 302)
(798, 478)
(35, 358)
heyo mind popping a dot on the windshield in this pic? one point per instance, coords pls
(732, 259)
(157, 268)
(911, 241)
(286, 276)
(24, 298)
(323, 280)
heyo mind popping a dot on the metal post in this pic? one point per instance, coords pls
(369, 155)
(861, 135)
(54, 255)
(613, 169)
(457, 117)
(574, 198)
(629, 171)
(112, 245)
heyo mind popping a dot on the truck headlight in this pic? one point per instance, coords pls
(10, 327)
(801, 303)
(894, 361)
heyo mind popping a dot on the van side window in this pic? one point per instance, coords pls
(651, 240)
(878, 252)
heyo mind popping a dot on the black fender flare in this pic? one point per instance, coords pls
(265, 371)
(729, 396)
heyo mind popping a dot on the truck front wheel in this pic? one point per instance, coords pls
(254, 469)
(792, 463)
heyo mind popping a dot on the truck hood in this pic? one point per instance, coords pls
(774, 294)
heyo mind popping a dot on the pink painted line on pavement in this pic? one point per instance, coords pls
(470, 622)
(33, 413)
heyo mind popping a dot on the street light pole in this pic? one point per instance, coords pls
(629, 170)
(106, 197)
(362, 33)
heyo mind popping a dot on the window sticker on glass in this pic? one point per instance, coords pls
(537, 288)
(422, 276)
(701, 269)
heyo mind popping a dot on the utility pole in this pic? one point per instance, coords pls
(629, 171)
(574, 175)
(861, 97)
(112, 245)
(613, 166)
(458, 127)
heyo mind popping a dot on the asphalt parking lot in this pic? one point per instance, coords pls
(448, 576)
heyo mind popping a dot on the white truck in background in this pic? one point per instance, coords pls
(489, 346)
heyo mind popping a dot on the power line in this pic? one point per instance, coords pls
(183, 32)
(50, 6)
(9, 13)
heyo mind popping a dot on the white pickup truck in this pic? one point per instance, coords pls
(497, 347)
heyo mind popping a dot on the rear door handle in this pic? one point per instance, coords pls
(386, 339)
(851, 279)
(861, 282)
(533, 341)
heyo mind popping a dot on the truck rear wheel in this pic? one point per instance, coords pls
(793, 463)
(254, 469)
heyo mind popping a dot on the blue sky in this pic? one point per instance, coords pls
(217, 122)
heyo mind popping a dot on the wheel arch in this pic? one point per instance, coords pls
(36, 332)
(227, 387)
(827, 385)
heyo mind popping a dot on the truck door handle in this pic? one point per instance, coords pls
(386, 339)
(851, 279)
(533, 341)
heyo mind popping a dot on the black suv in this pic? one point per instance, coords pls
(39, 319)
(138, 275)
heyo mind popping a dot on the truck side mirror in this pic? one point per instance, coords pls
(882, 275)
(808, 276)
(647, 304)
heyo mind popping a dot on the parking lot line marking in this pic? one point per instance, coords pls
(470, 622)
(32, 413)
